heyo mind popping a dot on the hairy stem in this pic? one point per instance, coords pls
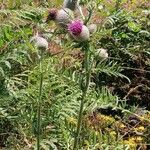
(84, 92)
(39, 105)
(117, 4)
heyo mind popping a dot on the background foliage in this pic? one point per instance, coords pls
(117, 112)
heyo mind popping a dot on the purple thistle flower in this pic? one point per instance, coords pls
(52, 14)
(75, 28)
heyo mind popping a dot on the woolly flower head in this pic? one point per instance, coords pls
(78, 30)
(75, 27)
(64, 16)
(40, 42)
(102, 53)
(92, 28)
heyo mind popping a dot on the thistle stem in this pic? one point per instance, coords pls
(81, 12)
(117, 4)
(84, 93)
(39, 104)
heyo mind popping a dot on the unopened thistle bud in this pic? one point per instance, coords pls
(40, 42)
(102, 53)
(71, 4)
(62, 16)
(79, 31)
(92, 28)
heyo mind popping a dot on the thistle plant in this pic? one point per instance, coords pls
(42, 45)
(81, 34)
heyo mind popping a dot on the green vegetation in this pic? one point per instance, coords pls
(73, 96)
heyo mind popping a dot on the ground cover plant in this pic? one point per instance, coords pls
(75, 75)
